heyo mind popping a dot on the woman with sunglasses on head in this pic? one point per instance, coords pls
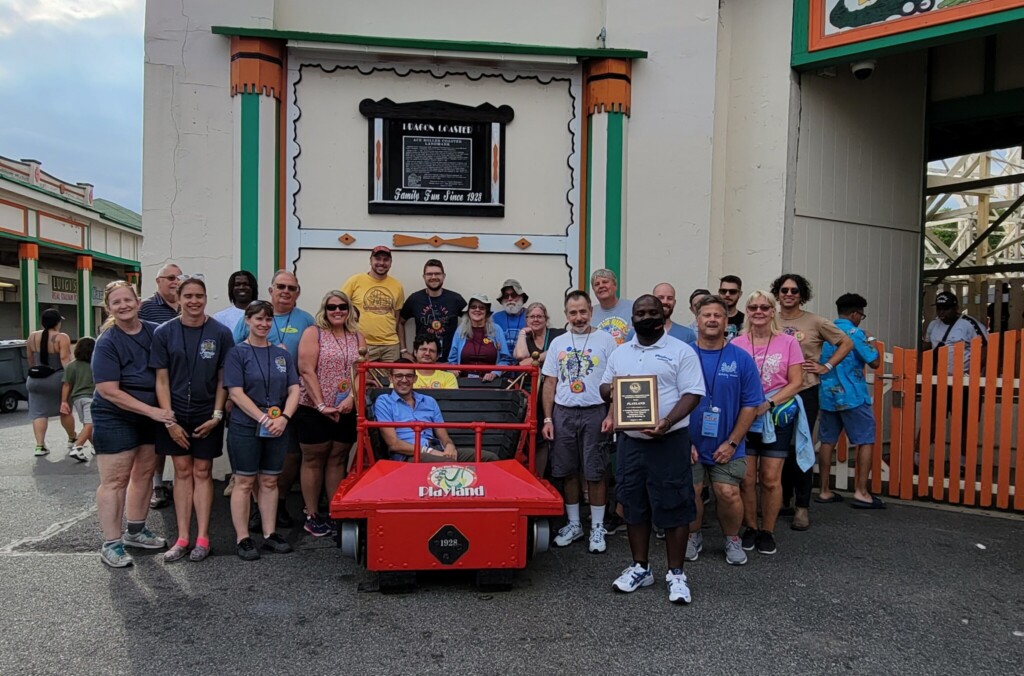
(125, 416)
(326, 417)
(264, 387)
(779, 363)
(477, 340)
(188, 355)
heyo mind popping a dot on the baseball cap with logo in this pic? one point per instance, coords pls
(946, 299)
(380, 249)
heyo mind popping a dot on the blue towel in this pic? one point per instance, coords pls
(765, 425)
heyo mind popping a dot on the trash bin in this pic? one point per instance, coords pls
(13, 372)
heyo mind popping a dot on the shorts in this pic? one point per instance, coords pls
(859, 424)
(654, 480)
(117, 432)
(83, 408)
(383, 353)
(731, 472)
(251, 454)
(579, 443)
(207, 448)
(313, 428)
(777, 449)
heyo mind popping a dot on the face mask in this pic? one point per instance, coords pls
(649, 327)
(514, 307)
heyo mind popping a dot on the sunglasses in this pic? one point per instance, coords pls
(728, 292)
(787, 291)
(335, 307)
(762, 308)
(286, 287)
(170, 278)
(185, 278)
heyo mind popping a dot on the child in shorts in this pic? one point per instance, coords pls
(76, 393)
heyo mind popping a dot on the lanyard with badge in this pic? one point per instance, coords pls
(281, 332)
(713, 416)
(191, 365)
(576, 385)
(272, 411)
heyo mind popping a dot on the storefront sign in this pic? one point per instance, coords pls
(433, 157)
(63, 289)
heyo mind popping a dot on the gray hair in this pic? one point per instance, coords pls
(603, 273)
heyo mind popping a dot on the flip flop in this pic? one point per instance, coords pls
(835, 498)
(876, 503)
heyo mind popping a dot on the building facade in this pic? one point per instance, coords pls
(59, 246)
(668, 141)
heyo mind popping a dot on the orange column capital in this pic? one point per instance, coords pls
(28, 250)
(257, 66)
(84, 263)
(608, 84)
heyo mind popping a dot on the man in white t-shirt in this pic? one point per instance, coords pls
(573, 415)
(241, 292)
(949, 326)
(654, 480)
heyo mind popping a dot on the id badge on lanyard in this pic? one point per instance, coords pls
(709, 422)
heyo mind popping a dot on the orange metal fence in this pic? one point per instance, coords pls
(947, 434)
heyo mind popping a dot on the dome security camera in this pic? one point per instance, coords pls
(862, 70)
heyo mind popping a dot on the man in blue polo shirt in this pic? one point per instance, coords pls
(403, 404)
(162, 306)
(846, 404)
(721, 421)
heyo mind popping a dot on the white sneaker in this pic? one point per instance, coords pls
(633, 578)
(597, 545)
(734, 554)
(678, 590)
(78, 453)
(694, 546)
(568, 534)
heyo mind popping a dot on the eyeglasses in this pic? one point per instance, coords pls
(762, 308)
(403, 376)
(433, 274)
(185, 278)
(336, 307)
(286, 287)
(728, 292)
(170, 278)
(861, 313)
(511, 296)
(789, 291)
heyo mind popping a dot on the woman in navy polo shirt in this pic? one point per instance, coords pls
(264, 387)
(188, 356)
(125, 419)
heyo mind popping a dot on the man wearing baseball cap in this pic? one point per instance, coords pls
(511, 319)
(950, 326)
(378, 297)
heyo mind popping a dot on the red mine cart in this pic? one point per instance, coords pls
(402, 517)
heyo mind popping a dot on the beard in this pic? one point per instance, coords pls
(513, 307)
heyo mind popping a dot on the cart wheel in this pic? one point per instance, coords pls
(540, 537)
(351, 534)
(9, 402)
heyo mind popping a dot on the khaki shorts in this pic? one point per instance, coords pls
(731, 472)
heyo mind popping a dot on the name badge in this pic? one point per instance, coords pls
(709, 424)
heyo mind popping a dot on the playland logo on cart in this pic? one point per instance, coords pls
(451, 481)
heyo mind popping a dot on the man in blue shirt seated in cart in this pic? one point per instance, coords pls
(404, 404)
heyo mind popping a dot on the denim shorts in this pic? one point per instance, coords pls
(654, 480)
(859, 424)
(117, 432)
(251, 454)
(207, 448)
(779, 448)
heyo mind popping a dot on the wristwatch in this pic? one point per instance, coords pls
(732, 443)
(771, 405)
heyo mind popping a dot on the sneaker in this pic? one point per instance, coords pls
(596, 544)
(613, 523)
(276, 544)
(199, 553)
(734, 554)
(747, 539)
(255, 520)
(765, 542)
(633, 578)
(144, 539)
(678, 590)
(174, 553)
(160, 499)
(568, 534)
(659, 533)
(284, 519)
(78, 453)
(230, 487)
(694, 546)
(41, 451)
(115, 556)
(71, 443)
(246, 550)
(316, 527)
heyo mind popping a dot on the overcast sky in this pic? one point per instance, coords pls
(71, 77)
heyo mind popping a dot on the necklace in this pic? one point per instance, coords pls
(576, 385)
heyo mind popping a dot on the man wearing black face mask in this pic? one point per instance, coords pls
(655, 481)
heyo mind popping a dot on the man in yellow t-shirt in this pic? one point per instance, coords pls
(425, 347)
(378, 298)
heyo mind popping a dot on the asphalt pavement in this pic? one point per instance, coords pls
(911, 590)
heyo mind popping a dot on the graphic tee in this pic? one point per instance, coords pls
(811, 331)
(617, 321)
(436, 317)
(192, 356)
(734, 325)
(438, 380)
(378, 302)
(772, 359)
(578, 362)
(263, 373)
(732, 383)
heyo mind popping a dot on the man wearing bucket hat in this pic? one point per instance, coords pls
(512, 319)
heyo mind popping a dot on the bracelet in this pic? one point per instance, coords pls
(264, 419)
(218, 415)
(170, 425)
(548, 420)
(829, 366)
(286, 416)
(320, 407)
